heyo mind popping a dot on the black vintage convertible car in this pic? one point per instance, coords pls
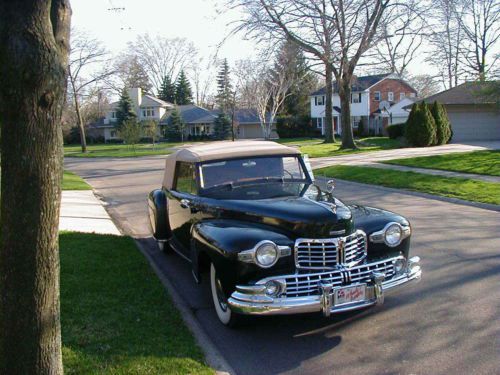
(273, 241)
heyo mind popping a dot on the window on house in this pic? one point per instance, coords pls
(402, 95)
(412, 95)
(356, 97)
(185, 178)
(113, 134)
(376, 96)
(355, 121)
(113, 114)
(390, 96)
(320, 100)
(319, 123)
(148, 112)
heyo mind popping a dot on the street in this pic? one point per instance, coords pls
(448, 323)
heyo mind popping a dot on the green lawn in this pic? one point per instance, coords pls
(315, 147)
(116, 317)
(119, 150)
(480, 162)
(72, 181)
(471, 190)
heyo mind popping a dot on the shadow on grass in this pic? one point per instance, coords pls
(116, 316)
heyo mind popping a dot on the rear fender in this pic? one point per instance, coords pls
(158, 216)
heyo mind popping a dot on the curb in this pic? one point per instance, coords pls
(212, 354)
(484, 206)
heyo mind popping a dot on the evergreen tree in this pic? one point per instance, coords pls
(175, 127)
(183, 92)
(222, 126)
(443, 128)
(125, 110)
(167, 90)
(224, 96)
(420, 126)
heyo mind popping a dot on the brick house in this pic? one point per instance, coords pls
(374, 99)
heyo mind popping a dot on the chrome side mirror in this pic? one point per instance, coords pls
(330, 185)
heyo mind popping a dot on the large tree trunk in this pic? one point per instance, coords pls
(329, 131)
(83, 140)
(345, 115)
(34, 46)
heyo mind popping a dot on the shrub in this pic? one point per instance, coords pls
(361, 127)
(420, 126)
(130, 132)
(395, 131)
(443, 128)
(222, 126)
(294, 126)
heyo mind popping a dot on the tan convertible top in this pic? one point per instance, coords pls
(222, 150)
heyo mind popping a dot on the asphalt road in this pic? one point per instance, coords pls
(449, 323)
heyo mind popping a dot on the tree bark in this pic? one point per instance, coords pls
(329, 131)
(34, 46)
(83, 140)
(345, 113)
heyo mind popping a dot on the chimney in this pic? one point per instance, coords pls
(136, 96)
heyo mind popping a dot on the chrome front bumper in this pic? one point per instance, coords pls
(252, 299)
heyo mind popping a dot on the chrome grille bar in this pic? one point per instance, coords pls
(329, 252)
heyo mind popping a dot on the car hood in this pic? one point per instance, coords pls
(299, 216)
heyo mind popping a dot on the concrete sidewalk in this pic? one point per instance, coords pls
(81, 211)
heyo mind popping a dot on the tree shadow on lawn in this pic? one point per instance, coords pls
(116, 316)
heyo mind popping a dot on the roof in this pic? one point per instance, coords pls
(466, 93)
(193, 114)
(149, 100)
(359, 83)
(222, 150)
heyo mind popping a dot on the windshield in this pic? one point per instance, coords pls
(249, 171)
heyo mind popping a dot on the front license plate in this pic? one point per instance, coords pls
(350, 294)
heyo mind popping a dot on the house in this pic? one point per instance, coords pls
(199, 122)
(146, 107)
(371, 98)
(473, 114)
(398, 113)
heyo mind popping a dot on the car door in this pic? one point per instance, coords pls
(181, 211)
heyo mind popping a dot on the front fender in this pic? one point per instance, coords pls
(220, 241)
(370, 219)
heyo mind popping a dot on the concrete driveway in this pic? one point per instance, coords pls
(449, 323)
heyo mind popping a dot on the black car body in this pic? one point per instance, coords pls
(275, 242)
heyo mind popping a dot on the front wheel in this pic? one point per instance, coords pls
(224, 313)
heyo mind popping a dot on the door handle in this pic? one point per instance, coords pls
(185, 203)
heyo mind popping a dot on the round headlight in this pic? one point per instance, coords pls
(266, 254)
(393, 235)
(273, 288)
(399, 266)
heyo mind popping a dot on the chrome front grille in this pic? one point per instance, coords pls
(330, 252)
(303, 285)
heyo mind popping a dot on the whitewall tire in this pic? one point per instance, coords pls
(224, 313)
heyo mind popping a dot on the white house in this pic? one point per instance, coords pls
(147, 107)
(370, 97)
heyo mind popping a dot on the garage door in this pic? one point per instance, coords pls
(475, 126)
